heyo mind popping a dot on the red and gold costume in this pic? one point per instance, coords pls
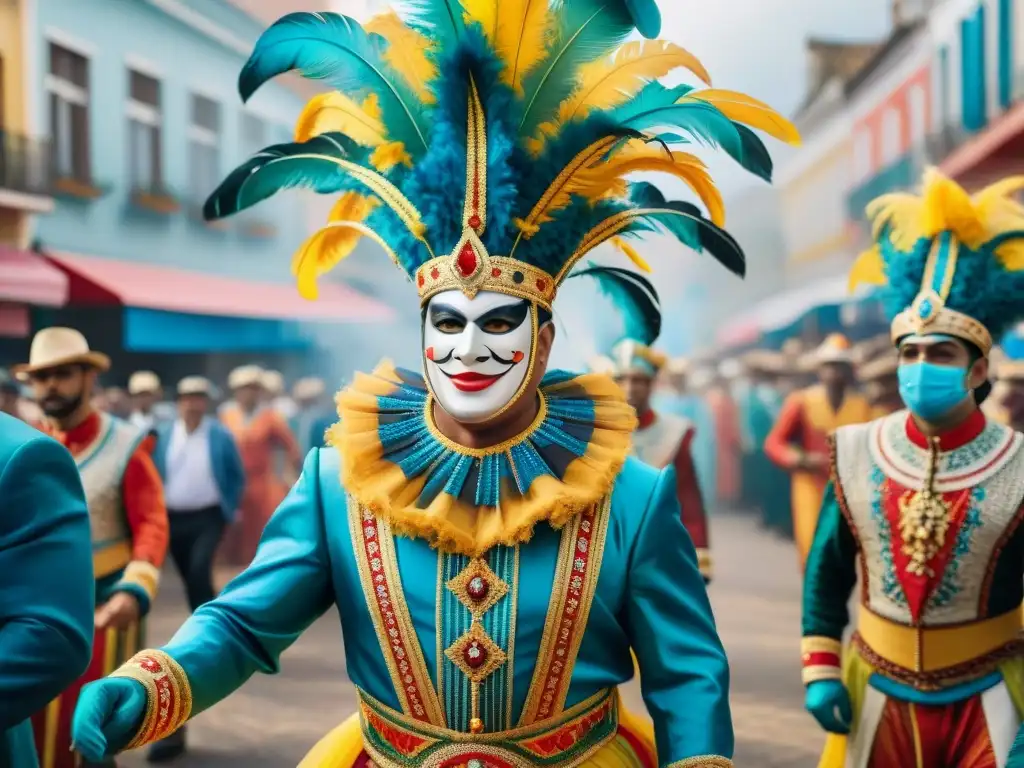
(259, 437)
(130, 535)
(802, 428)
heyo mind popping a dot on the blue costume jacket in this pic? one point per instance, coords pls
(228, 472)
(463, 629)
(46, 582)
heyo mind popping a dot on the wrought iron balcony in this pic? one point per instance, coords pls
(25, 165)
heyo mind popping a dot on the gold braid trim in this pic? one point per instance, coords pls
(702, 761)
(142, 574)
(168, 695)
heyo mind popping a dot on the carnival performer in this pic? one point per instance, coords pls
(46, 595)
(493, 550)
(927, 502)
(798, 443)
(269, 454)
(126, 512)
(661, 439)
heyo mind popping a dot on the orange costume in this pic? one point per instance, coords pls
(728, 443)
(258, 436)
(803, 427)
(129, 541)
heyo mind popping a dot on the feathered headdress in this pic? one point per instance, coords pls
(949, 263)
(485, 145)
(640, 309)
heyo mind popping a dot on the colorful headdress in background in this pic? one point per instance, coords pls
(949, 263)
(638, 305)
(485, 146)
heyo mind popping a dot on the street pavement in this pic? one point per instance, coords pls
(272, 720)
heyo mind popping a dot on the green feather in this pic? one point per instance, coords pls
(586, 31)
(439, 20)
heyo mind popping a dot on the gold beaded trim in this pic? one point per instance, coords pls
(942, 320)
(702, 761)
(144, 575)
(818, 644)
(168, 695)
(500, 274)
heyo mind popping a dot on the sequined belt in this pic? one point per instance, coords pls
(393, 740)
(937, 653)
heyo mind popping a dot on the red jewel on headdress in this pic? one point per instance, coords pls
(430, 353)
(541, 285)
(419, 279)
(495, 272)
(474, 221)
(434, 273)
(466, 260)
(517, 357)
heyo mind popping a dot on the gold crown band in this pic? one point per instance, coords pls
(939, 319)
(470, 269)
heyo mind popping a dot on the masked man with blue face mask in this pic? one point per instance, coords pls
(926, 505)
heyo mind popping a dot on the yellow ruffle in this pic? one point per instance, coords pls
(450, 524)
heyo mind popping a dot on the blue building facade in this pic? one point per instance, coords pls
(140, 102)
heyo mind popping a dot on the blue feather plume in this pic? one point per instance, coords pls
(635, 298)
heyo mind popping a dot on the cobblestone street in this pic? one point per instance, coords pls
(271, 722)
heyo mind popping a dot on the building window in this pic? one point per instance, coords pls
(144, 148)
(68, 87)
(974, 85)
(892, 132)
(204, 147)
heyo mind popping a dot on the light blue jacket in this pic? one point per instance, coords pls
(228, 472)
(47, 599)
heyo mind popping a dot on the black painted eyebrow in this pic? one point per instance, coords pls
(445, 312)
(513, 313)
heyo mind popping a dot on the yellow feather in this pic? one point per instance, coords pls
(631, 254)
(334, 111)
(388, 155)
(520, 32)
(868, 268)
(485, 13)
(324, 249)
(406, 52)
(685, 167)
(611, 82)
(749, 111)
(1011, 255)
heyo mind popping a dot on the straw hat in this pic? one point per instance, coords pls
(273, 382)
(834, 349)
(1010, 370)
(309, 388)
(245, 376)
(142, 382)
(195, 385)
(53, 347)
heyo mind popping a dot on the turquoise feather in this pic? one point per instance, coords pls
(646, 17)
(635, 298)
(336, 49)
(698, 118)
(308, 164)
(587, 30)
(438, 20)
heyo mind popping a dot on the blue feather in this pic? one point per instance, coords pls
(700, 119)
(438, 20)
(283, 166)
(646, 17)
(586, 31)
(336, 49)
(754, 157)
(634, 296)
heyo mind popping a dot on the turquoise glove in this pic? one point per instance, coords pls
(1016, 759)
(829, 702)
(108, 715)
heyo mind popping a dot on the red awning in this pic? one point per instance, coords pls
(30, 279)
(96, 280)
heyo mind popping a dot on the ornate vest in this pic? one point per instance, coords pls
(101, 466)
(659, 443)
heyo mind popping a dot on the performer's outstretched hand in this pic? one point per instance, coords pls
(108, 715)
(829, 702)
(1016, 759)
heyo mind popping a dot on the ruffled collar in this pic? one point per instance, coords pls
(396, 463)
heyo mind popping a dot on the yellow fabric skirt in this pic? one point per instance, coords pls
(343, 746)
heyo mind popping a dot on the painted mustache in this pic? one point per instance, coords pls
(473, 381)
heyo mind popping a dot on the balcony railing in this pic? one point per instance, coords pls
(899, 175)
(25, 164)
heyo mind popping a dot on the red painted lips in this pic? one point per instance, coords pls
(473, 382)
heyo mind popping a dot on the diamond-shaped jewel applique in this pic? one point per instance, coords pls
(475, 654)
(478, 587)
(925, 309)
(470, 262)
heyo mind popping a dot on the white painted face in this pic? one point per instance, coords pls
(477, 352)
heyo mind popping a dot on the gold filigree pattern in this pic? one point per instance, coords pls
(478, 587)
(500, 274)
(702, 761)
(168, 695)
(475, 654)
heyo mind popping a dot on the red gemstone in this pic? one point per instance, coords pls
(478, 588)
(541, 285)
(475, 655)
(466, 260)
(434, 273)
(495, 272)
(419, 279)
(474, 221)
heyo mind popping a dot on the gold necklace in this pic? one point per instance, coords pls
(924, 520)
